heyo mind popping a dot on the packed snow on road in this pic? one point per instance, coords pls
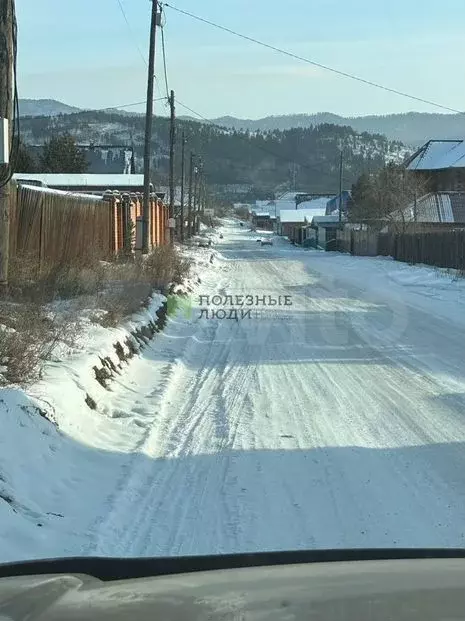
(298, 399)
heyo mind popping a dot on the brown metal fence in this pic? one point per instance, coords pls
(60, 227)
(57, 227)
(441, 247)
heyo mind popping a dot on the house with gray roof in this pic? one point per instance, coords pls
(440, 164)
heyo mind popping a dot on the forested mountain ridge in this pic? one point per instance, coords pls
(264, 160)
(412, 128)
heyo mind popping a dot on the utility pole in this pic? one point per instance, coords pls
(198, 192)
(148, 128)
(172, 141)
(183, 165)
(189, 208)
(7, 24)
(341, 172)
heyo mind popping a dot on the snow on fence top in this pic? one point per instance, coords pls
(76, 195)
(83, 179)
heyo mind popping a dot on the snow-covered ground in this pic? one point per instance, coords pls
(334, 421)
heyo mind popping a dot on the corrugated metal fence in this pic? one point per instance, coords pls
(60, 227)
(441, 246)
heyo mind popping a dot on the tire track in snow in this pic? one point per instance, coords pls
(348, 475)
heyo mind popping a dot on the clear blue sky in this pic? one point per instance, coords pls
(83, 53)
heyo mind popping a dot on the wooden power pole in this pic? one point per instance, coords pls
(183, 174)
(7, 24)
(189, 207)
(148, 128)
(341, 172)
(196, 199)
(172, 143)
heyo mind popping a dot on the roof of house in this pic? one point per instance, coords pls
(438, 155)
(84, 179)
(437, 207)
(316, 203)
(284, 204)
(299, 216)
(322, 220)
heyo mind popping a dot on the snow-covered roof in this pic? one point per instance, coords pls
(316, 203)
(299, 216)
(84, 179)
(281, 204)
(438, 154)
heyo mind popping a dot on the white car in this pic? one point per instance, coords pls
(267, 241)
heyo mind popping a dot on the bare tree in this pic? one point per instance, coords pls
(389, 197)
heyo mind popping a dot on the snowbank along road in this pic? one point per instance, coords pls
(335, 419)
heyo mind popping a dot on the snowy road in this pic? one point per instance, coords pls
(335, 421)
(338, 421)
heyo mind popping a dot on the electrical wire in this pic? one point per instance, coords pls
(314, 63)
(134, 38)
(128, 105)
(120, 4)
(164, 59)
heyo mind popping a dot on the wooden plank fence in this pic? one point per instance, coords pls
(60, 227)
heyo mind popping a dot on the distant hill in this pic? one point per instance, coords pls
(413, 128)
(266, 161)
(44, 107)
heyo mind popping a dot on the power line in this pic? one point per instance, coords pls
(134, 38)
(120, 4)
(128, 105)
(118, 107)
(164, 61)
(314, 63)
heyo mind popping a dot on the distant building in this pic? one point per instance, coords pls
(290, 221)
(262, 220)
(332, 206)
(440, 164)
(326, 228)
(311, 196)
(101, 159)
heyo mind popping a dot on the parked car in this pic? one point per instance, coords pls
(266, 242)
